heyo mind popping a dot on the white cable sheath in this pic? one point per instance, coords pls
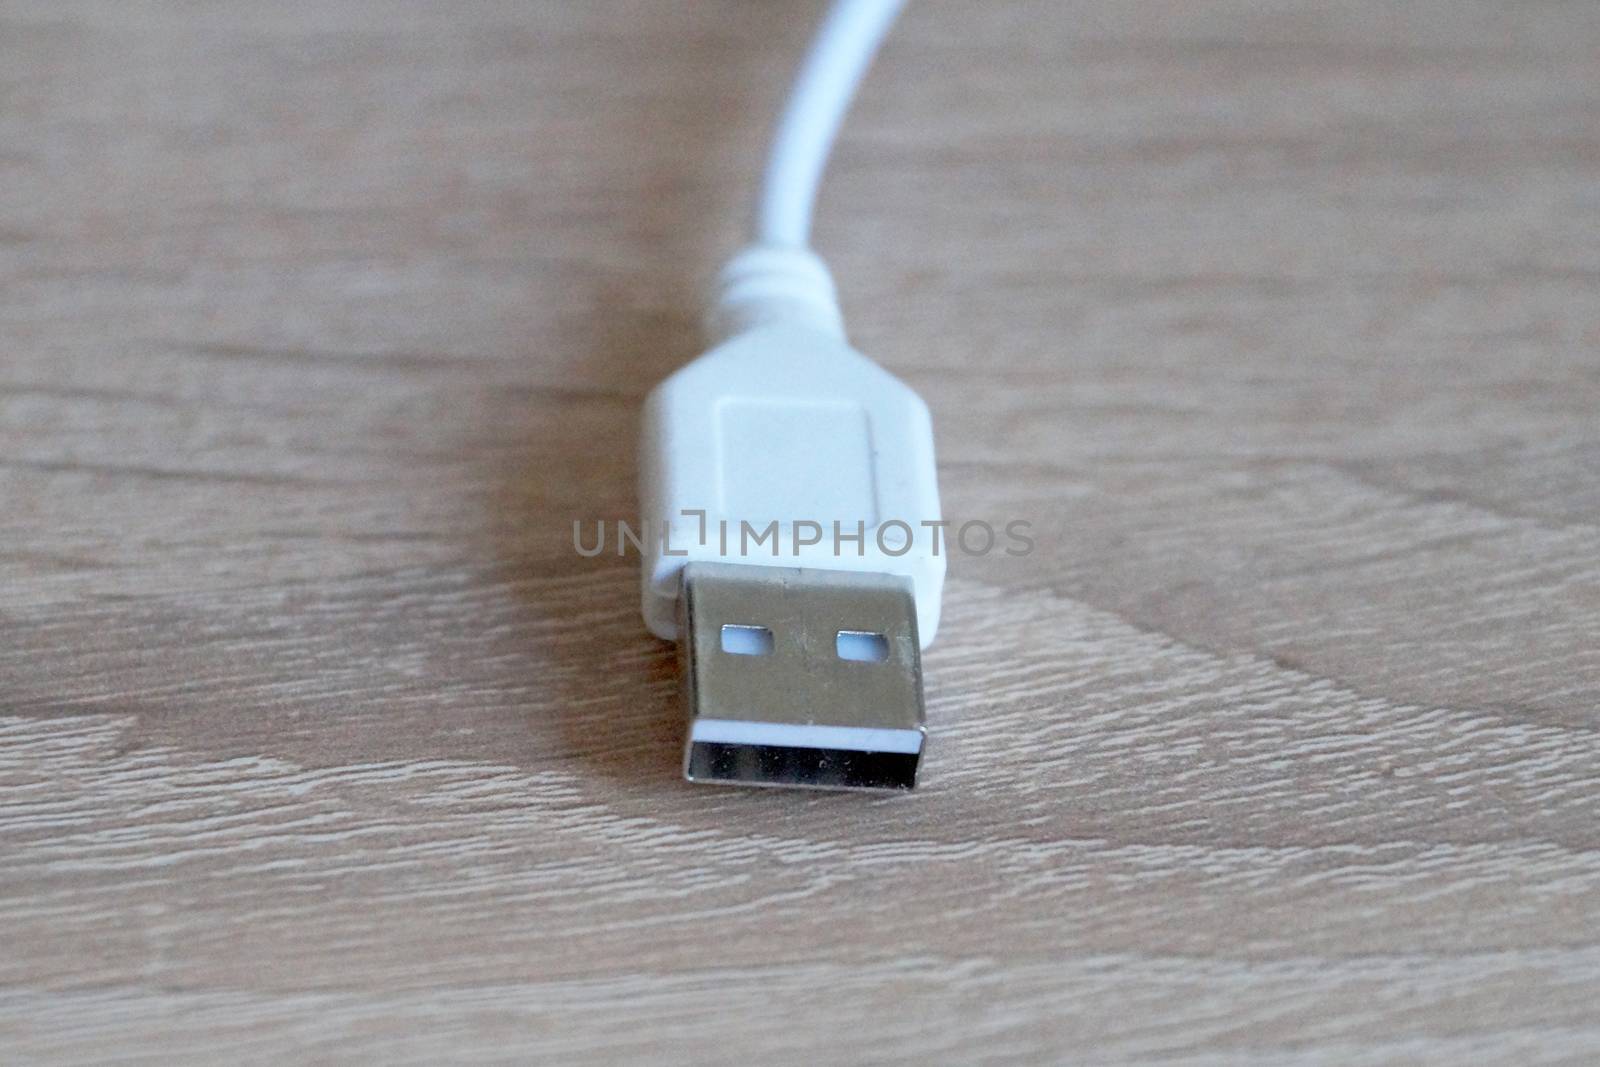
(779, 278)
(764, 284)
(833, 68)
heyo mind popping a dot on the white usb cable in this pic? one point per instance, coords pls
(797, 557)
(826, 83)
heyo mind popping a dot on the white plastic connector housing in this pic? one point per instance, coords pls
(783, 422)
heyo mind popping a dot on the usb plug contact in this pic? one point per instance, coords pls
(800, 677)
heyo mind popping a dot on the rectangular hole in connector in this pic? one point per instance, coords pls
(747, 640)
(819, 768)
(862, 646)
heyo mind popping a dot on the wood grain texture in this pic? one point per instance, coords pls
(320, 322)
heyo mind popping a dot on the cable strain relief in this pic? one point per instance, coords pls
(766, 284)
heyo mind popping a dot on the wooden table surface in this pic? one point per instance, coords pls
(320, 323)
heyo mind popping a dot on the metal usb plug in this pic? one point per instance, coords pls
(800, 677)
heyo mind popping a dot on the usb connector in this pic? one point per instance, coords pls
(795, 676)
(798, 565)
(790, 488)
